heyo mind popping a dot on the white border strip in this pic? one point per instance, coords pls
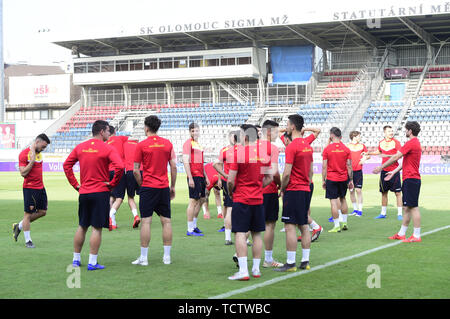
(331, 263)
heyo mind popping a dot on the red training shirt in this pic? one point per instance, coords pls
(34, 178)
(212, 174)
(94, 156)
(272, 153)
(195, 152)
(337, 155)
(356, 150)
(300, 154)
(227, 155)
(154, 153)
(412, 152)
(250, 166)
(117, 142)
(389, 148)
(129, 148)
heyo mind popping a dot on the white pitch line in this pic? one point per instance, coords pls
(328, 264)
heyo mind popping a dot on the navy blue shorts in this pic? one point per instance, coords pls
(119, 190)
(271, 207)
(34, 200)
(93, 210)
(334, 190)
(199, 190)
(247, 218)
(295, 207)
(410, 192)
(227, 201)
(358, 178)
(393, 185)
(132, 185)
(154, 200)
(311, 186)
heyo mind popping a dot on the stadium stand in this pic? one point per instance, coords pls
(224, 85)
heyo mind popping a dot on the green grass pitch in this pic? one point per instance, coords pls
(200, 266)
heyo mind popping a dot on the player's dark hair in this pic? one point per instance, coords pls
(386, 127)
(235, 135)
(250, 131)
(99, 126)
(297, 120)
(112, 129)
(269, 124)
(238, 136)
(354, 134)
(336, 131)
(193, 125)
(43, 137)
(287, 135)
(153, 123)
(414, 126)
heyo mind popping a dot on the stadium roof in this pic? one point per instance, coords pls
(341, 33)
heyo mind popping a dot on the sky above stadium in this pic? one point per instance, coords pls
(24, 20)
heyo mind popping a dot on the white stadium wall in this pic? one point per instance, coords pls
(26, 130)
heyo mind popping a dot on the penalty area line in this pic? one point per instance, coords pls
(328, 264)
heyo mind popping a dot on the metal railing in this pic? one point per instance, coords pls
(411, 98)
(375, 81)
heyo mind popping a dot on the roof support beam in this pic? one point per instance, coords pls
(366, 36)
(308, 36)
(247, 34)
(426, 37)
(198, 38)
(107, 45)
(153, 41)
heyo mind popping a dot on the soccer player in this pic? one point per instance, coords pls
(358, 152)
(196, 178)
(216, 185)
(222, 165)
(129, 148)
(246, 179)
(336, 173)
(94, 156)
(155, 153)
(270, 192)
(118, 192)
(34, 194)
(387, 148)
(296, 194)
(411, 153)
(258, 127)
(314, 227)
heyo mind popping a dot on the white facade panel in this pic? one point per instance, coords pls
(167, 75)
(39, 89)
